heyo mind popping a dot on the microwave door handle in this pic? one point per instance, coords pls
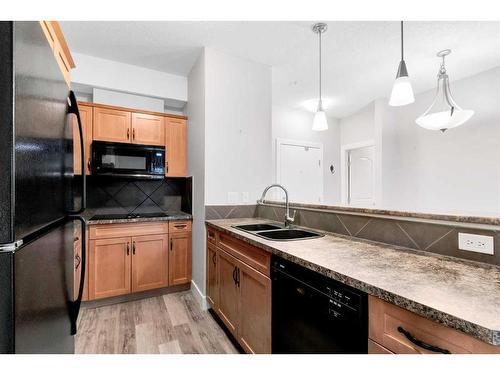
(73, 108)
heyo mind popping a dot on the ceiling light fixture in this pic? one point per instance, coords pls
(444, 113)
(402, 92)
(320, 122)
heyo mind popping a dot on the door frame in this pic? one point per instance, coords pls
(292, 142)
(344, 178)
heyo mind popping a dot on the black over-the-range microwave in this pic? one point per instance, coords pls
(128, 160)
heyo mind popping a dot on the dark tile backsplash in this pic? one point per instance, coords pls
(429, 236)
(230, 211)
(111, 195)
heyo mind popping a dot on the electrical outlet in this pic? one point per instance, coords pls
(476, 243)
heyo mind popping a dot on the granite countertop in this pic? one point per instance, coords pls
(174, 215)
(460, 294)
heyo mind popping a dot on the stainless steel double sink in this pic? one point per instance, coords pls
(276, 232)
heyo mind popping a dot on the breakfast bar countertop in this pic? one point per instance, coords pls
(463, 295)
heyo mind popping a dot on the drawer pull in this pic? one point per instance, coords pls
(211, 235)
(180, 226)
(78, 261)
(422, 344)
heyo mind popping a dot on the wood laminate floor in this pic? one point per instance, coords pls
(168, 324)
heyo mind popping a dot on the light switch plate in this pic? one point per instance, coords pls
(476, 243)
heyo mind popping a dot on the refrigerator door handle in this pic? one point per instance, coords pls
(74, 306)
(73, 108)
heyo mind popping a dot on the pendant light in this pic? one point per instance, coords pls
(444, 113)
(320, 122)
(402, 92)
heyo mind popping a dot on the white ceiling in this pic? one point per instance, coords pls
(360, 58)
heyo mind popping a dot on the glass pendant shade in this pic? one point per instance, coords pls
(444, 113)
(402, 92)
(320, 122)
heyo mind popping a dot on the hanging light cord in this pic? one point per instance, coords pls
(402, 56)
(320, 105)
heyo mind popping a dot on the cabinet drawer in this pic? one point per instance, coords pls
(179, 226)
(212, 236)
(374, 348)
(251, 255)
(124, 230)
(389, 323)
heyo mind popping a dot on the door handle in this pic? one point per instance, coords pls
(234, 275)
(133, 248)
(166, 166)
(133, 133)
(128, 249)
(78, 261)
(128, 133)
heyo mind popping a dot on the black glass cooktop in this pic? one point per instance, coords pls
(128, 216)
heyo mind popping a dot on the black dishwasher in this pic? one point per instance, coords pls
(312, 313)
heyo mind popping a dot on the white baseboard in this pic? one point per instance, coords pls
(199, 296)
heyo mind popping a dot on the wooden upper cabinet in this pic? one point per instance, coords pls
(148, 129)
(212, 282)
(86, 118)
(149, 262)
(228, 291)
(109, 267)
(175, 147)
(111, 125)
(57, 42)
(254, 330)
(179, 258)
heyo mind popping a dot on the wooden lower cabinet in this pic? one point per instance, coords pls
(239, 293)
(146, 258)
(212, 280)
(179, 258)
(109, 267)
(254, 330)
(149, 262)
(402, 332)
(228, 291)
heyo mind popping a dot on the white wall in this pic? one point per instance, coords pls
(238, 128)
(196, 167)
(121, 99)
(456, 171)
(358, 127)
(295, 124)
(95, 72)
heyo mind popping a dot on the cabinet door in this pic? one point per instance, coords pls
(228, 291)
(109, 267)
(77, 252)
(254, 330)
(175, 145)
(86, 117)
(180, 258)
(148, 129)
(111, 125)
(212, 283)
(149, 262)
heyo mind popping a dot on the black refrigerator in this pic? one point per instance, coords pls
(40, 197)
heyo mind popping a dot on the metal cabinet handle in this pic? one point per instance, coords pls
(128, 249)
(214, 261)
(128, 133)
(78, 261)
(88, 164)
(180, 226)
(171, 244)
(422, 344)
(133, 248)
(238, 278)
(133, 133)
(76, 239)
(234, 274)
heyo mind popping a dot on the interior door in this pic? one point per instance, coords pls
(228, 291)
(299, 163)
(360, 176)
(255, 308)
(212, 282)
(111, 125)
(109, 267)
(179, 258)
(175, 144)
(148, 129)
(149, 262)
